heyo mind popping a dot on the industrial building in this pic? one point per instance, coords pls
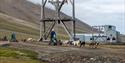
(105, 33)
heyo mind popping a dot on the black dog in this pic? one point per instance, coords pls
(82, 43)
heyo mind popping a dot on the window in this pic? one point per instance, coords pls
(113, 38)
(108, 38)
(90, 38)
(110, 34)
(110, 27)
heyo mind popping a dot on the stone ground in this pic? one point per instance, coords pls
(61, 54)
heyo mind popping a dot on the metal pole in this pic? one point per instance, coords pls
(40, 31)
(41, 18)
(44, 25)
(58, 15)
(73, 5)
(92, 33)
(66, 29)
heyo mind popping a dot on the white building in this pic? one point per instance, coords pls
(109, 35)
(81, 37)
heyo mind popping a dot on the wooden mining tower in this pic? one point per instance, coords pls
(58, 4)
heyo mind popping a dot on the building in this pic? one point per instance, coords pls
(81, 37)
(111, 33)
(106, 33)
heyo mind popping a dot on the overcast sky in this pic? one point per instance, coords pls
(98, 12)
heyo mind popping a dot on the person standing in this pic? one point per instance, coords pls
(13, 37)
(53, 39)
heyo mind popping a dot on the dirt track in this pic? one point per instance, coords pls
(58, 54)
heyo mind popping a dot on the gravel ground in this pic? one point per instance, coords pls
(58, 54)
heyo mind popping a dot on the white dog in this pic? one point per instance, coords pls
(76, 43)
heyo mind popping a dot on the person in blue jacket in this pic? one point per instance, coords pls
(53, 39)
(13, 37)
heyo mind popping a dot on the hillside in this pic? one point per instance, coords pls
(23, 16)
